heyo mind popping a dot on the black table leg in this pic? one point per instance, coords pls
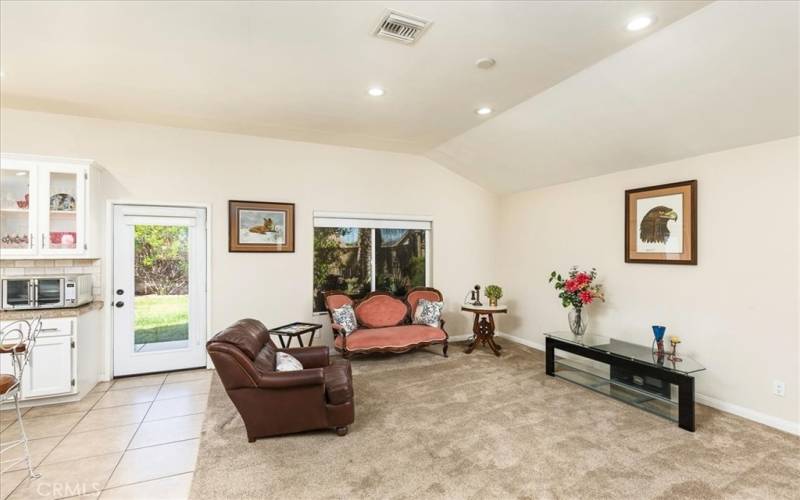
(283, 345)
(549, 357)
(311, 340)
(686, 403)
(300, 339)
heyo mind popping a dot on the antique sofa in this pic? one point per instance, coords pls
(273, 402)
(384, 323)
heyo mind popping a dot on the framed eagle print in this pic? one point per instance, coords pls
(661, 224)
(260, 226)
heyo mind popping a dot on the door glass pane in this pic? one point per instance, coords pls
(341, 262)
(399, 260)
(15, 228)
(48, 291)
(161, 282)
(63, 211)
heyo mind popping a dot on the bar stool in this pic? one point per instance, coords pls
(17, 339)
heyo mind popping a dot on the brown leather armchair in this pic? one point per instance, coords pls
(271, 402)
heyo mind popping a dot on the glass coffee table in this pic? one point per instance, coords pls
(631, 373)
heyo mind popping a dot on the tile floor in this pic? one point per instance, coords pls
(132, 438)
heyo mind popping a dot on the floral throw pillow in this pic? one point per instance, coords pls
(345, 317)
(287, 363)
(428, 313)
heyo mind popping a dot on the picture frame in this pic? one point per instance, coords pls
(260, 226)
(661, 224)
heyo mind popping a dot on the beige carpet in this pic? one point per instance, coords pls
(475, 426)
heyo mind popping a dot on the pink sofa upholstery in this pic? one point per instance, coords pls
(384, 323)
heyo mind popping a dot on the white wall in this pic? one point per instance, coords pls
(736, 311)
(151, 163)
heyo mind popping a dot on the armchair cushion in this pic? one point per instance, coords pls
(265, 360)
(248, 335)
(391, 337)
(299, 378)
(338, 383)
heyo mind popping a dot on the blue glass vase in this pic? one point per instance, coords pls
(658, 334)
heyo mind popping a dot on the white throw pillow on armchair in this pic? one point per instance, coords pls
(287, 363)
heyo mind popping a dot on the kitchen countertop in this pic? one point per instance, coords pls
(64, 312)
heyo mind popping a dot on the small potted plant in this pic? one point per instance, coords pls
(577, 290)
(493, 292)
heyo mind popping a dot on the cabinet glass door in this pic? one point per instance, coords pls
(62, 204)
(17, 203)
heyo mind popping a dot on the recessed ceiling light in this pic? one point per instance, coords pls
(376, 91)
(639, 23)
(484, 111)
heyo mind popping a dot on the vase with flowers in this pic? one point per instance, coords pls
(577, 290)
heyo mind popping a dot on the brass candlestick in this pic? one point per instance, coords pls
(673, 356)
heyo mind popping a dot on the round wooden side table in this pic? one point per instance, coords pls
(483, 326)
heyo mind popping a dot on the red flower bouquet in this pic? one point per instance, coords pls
(577, 290)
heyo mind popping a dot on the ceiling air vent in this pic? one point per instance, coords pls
(401, 27)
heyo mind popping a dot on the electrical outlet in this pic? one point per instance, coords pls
(778, 387)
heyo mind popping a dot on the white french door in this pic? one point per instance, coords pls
(159, 303)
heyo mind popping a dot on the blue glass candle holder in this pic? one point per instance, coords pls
(658, 332)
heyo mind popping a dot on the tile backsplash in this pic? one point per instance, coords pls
(29, 267)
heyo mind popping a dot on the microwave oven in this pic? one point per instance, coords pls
(46, 292)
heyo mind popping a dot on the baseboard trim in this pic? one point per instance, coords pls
(755, 416)
(520, 340)
(740, 411)
(458, 338)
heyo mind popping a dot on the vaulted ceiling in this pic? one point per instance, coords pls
(575, 94)
(724, 77)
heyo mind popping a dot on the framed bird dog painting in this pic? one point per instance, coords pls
(258, 226)
(661, 224)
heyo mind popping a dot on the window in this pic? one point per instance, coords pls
(360, 255)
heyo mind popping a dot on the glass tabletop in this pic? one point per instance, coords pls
(644, 354)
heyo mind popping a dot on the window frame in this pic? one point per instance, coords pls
(373, 222)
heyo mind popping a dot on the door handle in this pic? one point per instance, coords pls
(119, 303)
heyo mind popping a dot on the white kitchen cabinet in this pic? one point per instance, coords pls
(50, 371)
(49, 207)
(18, 197)
(59, 365)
